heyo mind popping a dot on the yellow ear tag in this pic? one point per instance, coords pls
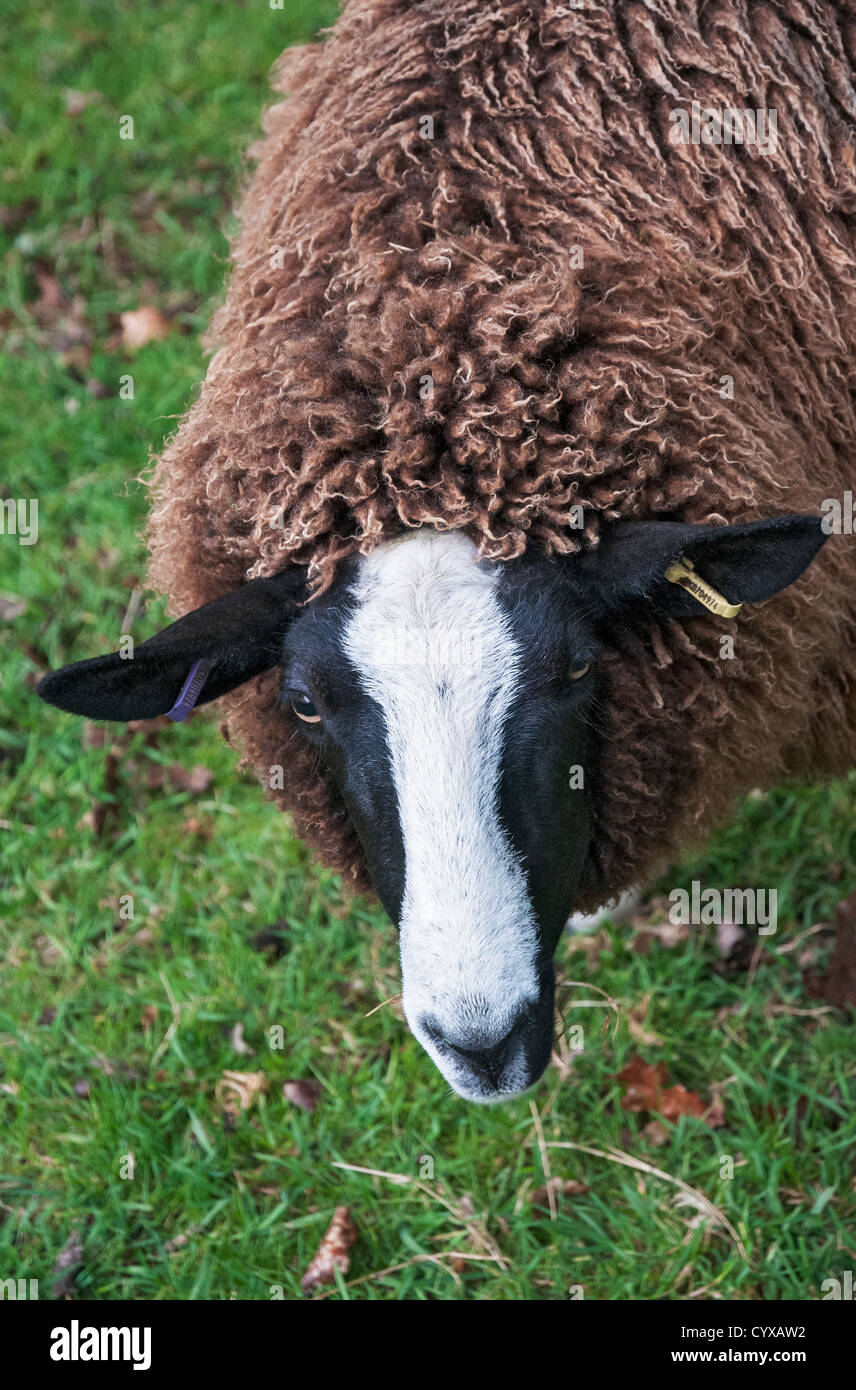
(683, 572)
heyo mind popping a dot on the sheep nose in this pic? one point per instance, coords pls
(481, 1048)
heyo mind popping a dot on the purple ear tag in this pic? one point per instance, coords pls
(190, 691)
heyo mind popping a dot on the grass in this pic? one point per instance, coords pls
(115, 1029)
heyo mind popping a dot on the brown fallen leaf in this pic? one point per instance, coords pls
(714, 1115)
(305, 1094)
(838, 985)
(144, 325)
(643, 1083)
(11, 607)
(197, 825)
(76, 102)
(236, 1090)
(668, 934)
(332, 1253)
(63, 322)
(677, 1101)
(196, 779)
(646, 1090)
(150, 727)
(736, 949)
(727, 936)
(656, 1133)
(51, 299)
(236, 1038)
(178, 1242)
(68, 1263)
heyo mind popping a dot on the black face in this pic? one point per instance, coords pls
(336, 716)
(549, 759)
(550, 744)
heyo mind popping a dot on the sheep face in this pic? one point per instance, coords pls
(451, 700)
(454, 703)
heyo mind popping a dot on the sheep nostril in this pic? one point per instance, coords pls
(486, 1059)
(484, 1051)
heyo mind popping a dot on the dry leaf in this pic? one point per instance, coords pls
(68, 1261)
(196, 779)
(656, 1133)
(75, 102)
(727, 936)
(669, 934)
(714, 1115)
(11, 607)
(646, 1037)
(236, 1090)
(642, 1083)
(143, 325)
(679, 1101)
(51, 300)
(306, 1094)
(332, 1253)
(64, 324)
(236, 1038)
(646, 1090)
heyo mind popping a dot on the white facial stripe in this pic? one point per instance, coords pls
(434, 649)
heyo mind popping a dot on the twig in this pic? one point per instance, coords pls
(545, 1158)
(615, 1157)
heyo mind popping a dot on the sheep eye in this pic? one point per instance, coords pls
(577, 675)
(305, 710)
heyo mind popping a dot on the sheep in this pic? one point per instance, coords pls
(532, 379)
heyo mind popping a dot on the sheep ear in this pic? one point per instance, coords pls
(680, 570)
(202, 655)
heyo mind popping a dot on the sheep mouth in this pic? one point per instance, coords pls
(489, 1066)
(482, 1086)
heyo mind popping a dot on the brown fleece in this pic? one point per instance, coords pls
(610, 319)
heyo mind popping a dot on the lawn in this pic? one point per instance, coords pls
(159, 920)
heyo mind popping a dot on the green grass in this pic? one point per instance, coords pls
(145, 1007)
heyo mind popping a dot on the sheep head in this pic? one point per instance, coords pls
(458, 706)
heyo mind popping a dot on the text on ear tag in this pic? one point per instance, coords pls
(190, 691)
(683, 572)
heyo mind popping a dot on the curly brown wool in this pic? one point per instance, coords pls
(580, 288)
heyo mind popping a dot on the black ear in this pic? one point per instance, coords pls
(231, 639)
(737, 564)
